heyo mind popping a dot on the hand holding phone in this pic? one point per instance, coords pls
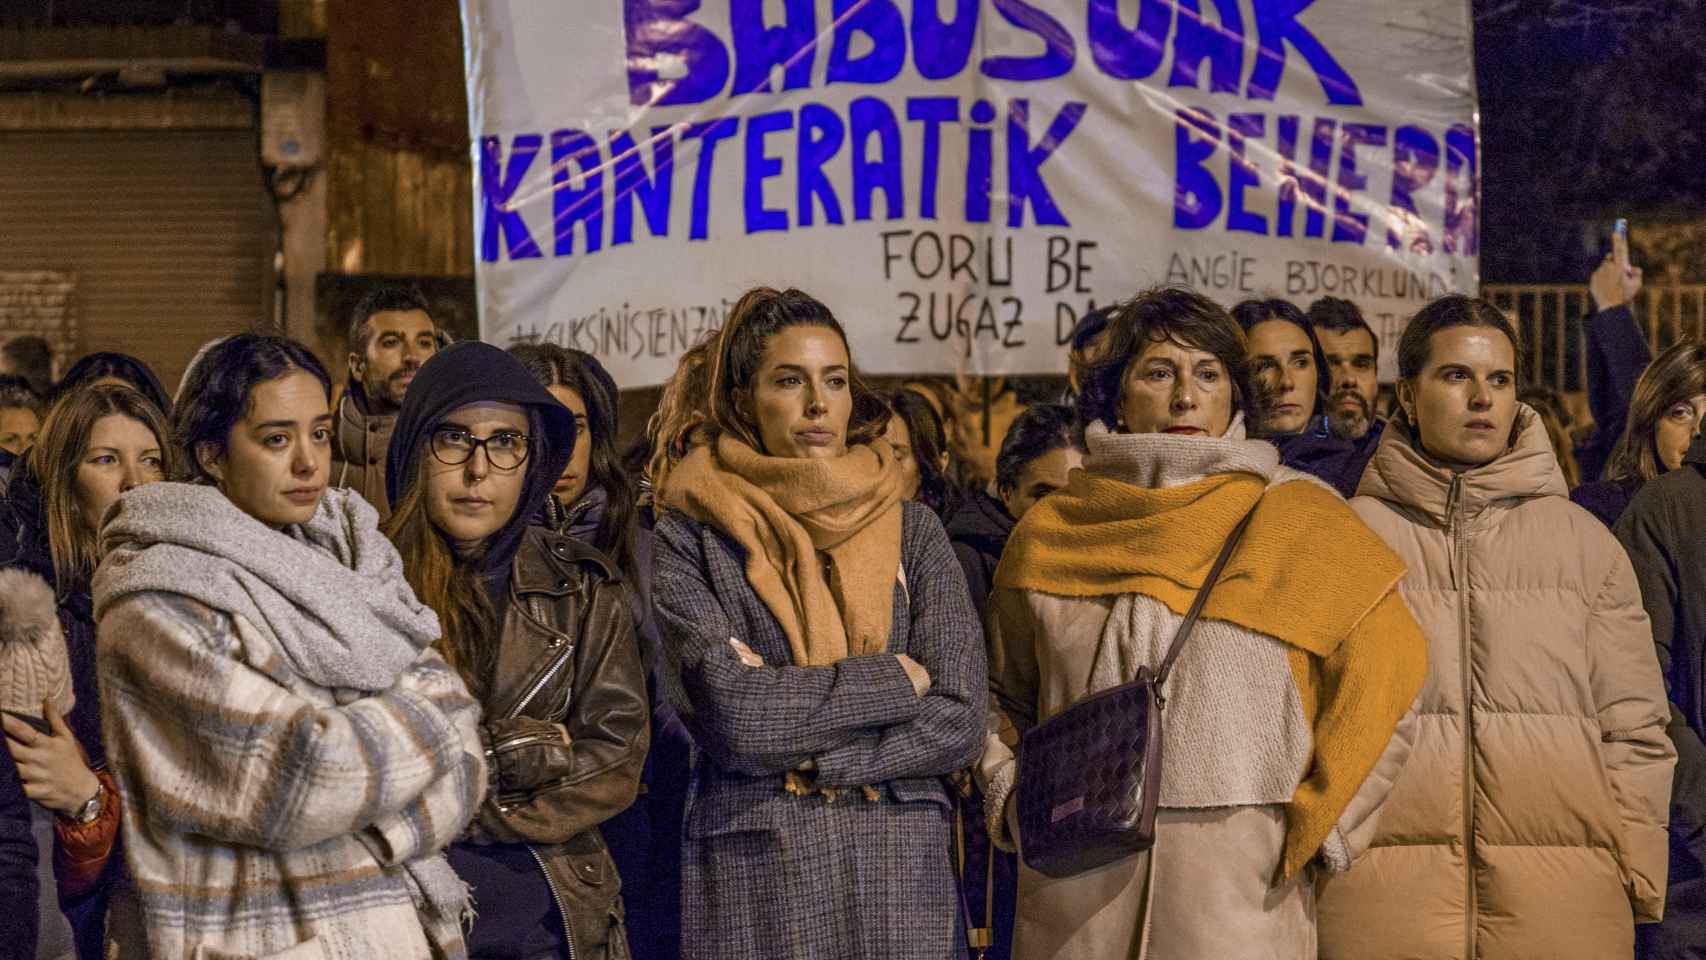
(1616, 282)
(52, 765)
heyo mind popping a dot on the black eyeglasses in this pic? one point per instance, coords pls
(505, 450)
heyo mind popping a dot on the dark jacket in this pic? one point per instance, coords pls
(1617, 355)
(567, 656)
(1606, 499)
(645, 839)
(978, 530)
(767, 874)
(18, 861)
(23, 543)
(581, 521)
(1322, 455)
(8, 461)
(359, 447)
(1664, 530)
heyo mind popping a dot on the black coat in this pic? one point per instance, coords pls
(1606, 499)
(978, 530)
(1664, 530)
(1617, 354)
(645, 839)
(1322, 455)
(23, 543)
(17, 864)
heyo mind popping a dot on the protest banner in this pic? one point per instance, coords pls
(960, 180)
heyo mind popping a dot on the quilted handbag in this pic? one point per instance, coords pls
(1089, 776)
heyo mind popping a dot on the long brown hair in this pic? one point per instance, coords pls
(59, 451)
(738, 352)
(556, 366)
(467, 621)
(673, 428)
(1678, 375)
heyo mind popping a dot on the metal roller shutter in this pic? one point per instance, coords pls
(167, 233)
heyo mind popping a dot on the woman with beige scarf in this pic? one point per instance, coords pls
(822, 648)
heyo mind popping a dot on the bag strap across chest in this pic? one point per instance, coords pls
(1189, 623)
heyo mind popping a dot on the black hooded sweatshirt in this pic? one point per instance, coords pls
(1664, 531)
(475, 372)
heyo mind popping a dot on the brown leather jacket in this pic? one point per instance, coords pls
(566, 730)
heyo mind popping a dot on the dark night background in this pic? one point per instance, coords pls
(1589, 111)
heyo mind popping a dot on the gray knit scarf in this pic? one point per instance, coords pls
(329, 593)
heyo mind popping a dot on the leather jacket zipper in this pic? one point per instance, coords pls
(562, 658)
(562, 911)
(523, 740)
(539, 683)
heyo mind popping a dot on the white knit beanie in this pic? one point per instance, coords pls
(34, 665)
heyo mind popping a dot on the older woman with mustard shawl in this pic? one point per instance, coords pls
(1287, 715)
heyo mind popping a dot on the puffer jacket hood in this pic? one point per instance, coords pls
(1531, 821)
(1401, 472)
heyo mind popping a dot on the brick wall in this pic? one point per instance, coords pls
(44, 303)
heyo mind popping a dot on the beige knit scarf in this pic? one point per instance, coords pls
(786, 513)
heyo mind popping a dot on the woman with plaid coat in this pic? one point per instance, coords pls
(823, 649)
(291, 752)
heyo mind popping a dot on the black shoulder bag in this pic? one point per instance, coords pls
(1089, 776)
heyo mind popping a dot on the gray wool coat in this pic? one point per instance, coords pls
(768, 875)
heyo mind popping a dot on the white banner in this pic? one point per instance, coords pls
(959, 180)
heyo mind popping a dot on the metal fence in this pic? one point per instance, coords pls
(1552, 318)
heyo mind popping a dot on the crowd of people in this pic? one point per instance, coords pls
(426, 664)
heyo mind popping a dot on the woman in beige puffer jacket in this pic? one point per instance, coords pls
(1531, 819)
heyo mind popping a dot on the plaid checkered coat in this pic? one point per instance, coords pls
(768, 875)
(264, 816)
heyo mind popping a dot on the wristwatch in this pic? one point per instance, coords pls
(87, 813)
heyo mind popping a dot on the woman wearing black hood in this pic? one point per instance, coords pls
(594, 501)
(538, 626)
